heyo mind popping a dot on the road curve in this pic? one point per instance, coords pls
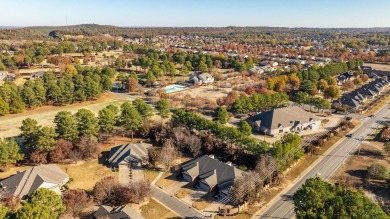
(325, 167)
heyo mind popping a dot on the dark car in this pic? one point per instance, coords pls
(371, 115)
(349, 135)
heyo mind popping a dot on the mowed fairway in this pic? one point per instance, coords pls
(9, 125)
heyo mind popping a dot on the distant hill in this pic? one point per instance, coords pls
(42, 32)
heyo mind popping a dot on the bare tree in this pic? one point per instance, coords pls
(88, 147)
(167, 154)
(194, 145)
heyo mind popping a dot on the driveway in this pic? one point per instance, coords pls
(174, 204)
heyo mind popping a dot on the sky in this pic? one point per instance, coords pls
(197, 13)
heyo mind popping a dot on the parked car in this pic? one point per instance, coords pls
(349, 135)
(371, 115)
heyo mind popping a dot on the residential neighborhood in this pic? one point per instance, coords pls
(191, 109)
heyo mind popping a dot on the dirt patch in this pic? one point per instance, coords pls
(382, 67)
(353, 173)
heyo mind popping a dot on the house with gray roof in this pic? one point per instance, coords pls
(201, 78)
(133, 154)
(121, 212)
(209, 173)
(38, 74)
(129, 159)
(22, 184)
(284, 120)
(353, 100)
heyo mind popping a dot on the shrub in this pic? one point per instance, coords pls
(378, 171)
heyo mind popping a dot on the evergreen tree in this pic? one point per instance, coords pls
(87, 123)
(130, 119)
(10, 152)
(66, 126)
(221, 115)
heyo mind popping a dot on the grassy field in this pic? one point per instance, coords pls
(45, 115)
(154, 210)
(86, 174)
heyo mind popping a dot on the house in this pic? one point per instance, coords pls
(38, 74)
(209, 173)
(129, 154)
(353, 100)
(121, 212)
(274, 64)
(129, 159)
(263, 63)
(201, 78)
(284, 120)
(344, 77)
(5, 76)
(256, 70)
(48, 176)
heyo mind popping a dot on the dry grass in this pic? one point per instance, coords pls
(150, 175)
(154, 210)
(44, 115)
(183, 192)
(201, 204)
(86, 174)
(166, 180)
(11, 170)
(382, 102)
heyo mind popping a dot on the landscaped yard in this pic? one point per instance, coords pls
(154, 210)
(166, 180)
(150, 175)
(86, 174)
(183, 192)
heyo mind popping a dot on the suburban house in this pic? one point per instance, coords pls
(344, 77)
(353, 100)
(6, 76)
(121, 212)
(129, 159)
(201, 78)
(22, 184)
(256, 70)
(209, 173)
(38, 74)
(284, 120)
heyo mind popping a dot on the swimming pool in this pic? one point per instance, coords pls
(174, 88)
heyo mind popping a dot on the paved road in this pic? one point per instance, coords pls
(174, 204)
(325, 167)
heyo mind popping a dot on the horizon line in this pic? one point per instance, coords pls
(125, 26)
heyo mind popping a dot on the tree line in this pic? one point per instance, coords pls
(75, 136)
(78, 84)
(259, 102)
